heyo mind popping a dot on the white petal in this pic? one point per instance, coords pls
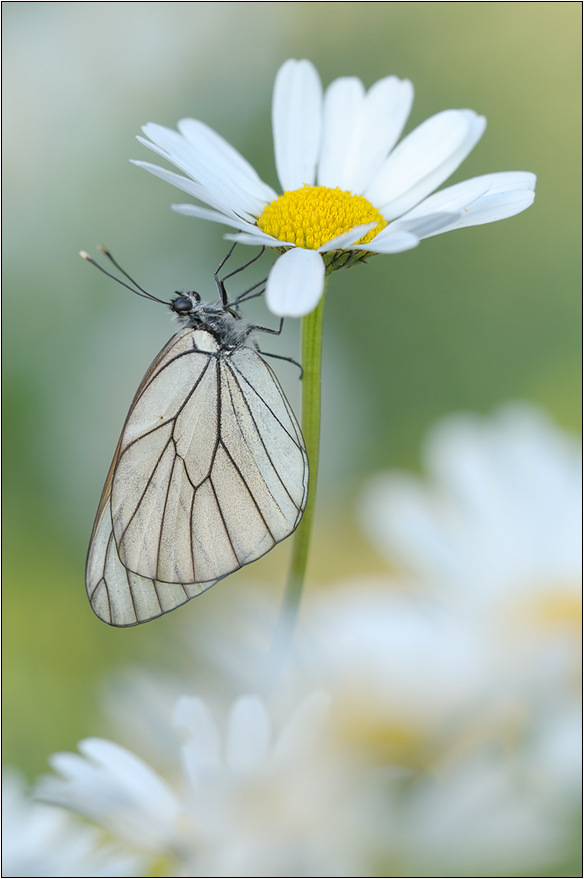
(248, 734)
(345, 239)
(383, 115)
(391, 243)
(455, 198)
(489, 208)
(295, 283)
(205, 139)
(424, 149)
(206, 157)
(470, 203)
(450, 200)
(424, 160)
(342, 106)
(296, 121)
(193, 210)
(220, 198)
(208, 166)
(426, 225)
(219, 192)
(504, 181)
(260, 238)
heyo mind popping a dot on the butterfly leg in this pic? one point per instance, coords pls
(221, 281)
(276, 333)
(267, 329)
(281, 357)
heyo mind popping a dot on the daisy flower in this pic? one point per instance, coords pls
(348, 190)
(249, 801)
(42, 840)
(503, 510)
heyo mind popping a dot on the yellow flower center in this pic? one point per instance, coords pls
(311, 216)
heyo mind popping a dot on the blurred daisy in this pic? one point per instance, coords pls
(41, 840)
(500, 515)
(248, 803)
(469, 678)
(452, 739)
(348, 190)
(488, 813)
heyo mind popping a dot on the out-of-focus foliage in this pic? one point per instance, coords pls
(466, 320)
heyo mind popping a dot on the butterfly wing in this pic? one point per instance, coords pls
(209, 474)
(117, 595)
(120, 597)
(261, 461)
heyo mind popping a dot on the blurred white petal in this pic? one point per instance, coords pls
(248, 734)
(298, 738)
(502, 509)
(42, 840)
(111, 785)
(258, 809)
(201, 752)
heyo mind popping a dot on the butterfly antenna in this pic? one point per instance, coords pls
(107, 253)
(139, 292)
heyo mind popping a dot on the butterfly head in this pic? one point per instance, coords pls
(184, 303)
(222, 322)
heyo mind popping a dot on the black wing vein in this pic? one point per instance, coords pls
(259, 433)
(296, 439)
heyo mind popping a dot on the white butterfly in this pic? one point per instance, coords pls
(210, 471)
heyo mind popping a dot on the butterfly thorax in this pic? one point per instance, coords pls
(228, 329)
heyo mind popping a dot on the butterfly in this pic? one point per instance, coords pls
(209, 474)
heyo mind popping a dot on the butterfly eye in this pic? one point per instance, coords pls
(182, 305)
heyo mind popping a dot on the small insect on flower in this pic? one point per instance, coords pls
(210, 471)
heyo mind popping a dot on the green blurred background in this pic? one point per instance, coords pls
(465, 321)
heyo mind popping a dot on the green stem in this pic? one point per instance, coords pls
(311, 365)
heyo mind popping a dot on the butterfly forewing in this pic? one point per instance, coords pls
(209, 474)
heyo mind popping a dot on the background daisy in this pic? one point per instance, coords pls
(448, 738)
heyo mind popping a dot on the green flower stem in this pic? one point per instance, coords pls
(311, 388)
